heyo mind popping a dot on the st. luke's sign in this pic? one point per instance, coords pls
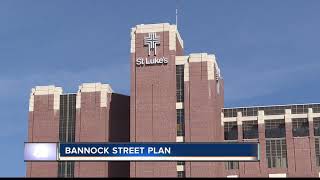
(152, 41)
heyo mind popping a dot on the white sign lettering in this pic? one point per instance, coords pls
(151, 61)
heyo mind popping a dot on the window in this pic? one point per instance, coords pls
(317, 151)
(180, 122)
(299, 109)
(180, 82)
(231, 165)
(276, 153)
(67, 120)
(180, 163)
(230, 131)
(316, 108)
(274, 110)
(275, 128)
(250, 130)
(316, 126)
(230, 113)
(181, 174)
(249, 112)
(300, 127)
(66, 169)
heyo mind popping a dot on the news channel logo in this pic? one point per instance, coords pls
(40, 151)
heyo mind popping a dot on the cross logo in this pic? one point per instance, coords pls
(152, 41)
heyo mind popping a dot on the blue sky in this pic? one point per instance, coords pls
(268, 51)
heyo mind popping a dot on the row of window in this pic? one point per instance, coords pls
(67, 130)
(276, 154)
(273, 128)
(180, 112)
(180, 83)
(272, 110)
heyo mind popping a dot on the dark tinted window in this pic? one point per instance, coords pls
(276, 153)
(275, 128)
(180, 82)
(316, 126)
(180, 122)
(250, 130)
(300, 127)
(230, 131)
(230, 165)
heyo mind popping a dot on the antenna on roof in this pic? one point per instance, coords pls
(177, 13)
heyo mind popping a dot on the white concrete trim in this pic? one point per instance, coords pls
(186, 72)
(229, 119)
(315, 115)
(180, 39)
(239, 118)
(298, 116)
(232, 176)
(275, 105)
(78, 100)
(222, 119)
(260, 117)
(278, 175)
(179, 105)
(288, 118)
(31, 100)
(210, 70)
(133, 40)
(160, 27)
(181, 60)
(180, 139)
(180, 167)
(270, 117)
(310, 115)
(249, 118)
(147, 28)
(46, 90)
(212, 65)
(104, 90)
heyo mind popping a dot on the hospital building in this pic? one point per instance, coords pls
(174, 97)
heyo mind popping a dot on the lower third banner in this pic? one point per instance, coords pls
(154, 152)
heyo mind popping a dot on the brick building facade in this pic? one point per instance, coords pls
(177, 101)
(94, 114)
(174, 98)
(288, 137)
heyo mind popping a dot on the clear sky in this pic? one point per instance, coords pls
(268, 51)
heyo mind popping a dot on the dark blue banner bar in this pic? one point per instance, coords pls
(160, 151)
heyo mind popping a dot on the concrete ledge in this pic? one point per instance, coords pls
(46, 90)
(104, 89)
(279, 175)
(180, 167)
(179, 139)
(179, 105)
(160, 27)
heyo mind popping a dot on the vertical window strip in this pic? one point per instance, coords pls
(276, 153)
(180, 83)
(67, 130)
(230, 131)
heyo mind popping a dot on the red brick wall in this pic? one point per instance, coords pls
(203, 117)
(91, 126)
(43, 127)
(300, 154)
(102, 124)
(119, 131)
(153, 105)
